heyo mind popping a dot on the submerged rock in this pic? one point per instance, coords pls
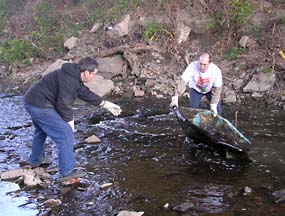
(130, 213)
(183, 207)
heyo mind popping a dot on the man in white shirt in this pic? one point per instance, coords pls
(204, 78)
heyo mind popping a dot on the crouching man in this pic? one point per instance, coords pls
(204, 79)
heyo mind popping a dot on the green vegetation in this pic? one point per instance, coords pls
(17, 50)
(214, 22)
(282, 20)
(243, 10)
(266, 70)
(234, 52)
(153, 29)
(8, 8)
(48, 34)
(110, 11)
(257, 31)
(232, 14)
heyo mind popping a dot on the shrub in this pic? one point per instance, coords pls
(17, 50)
(152, 29)
(243, 10)
(234, 52)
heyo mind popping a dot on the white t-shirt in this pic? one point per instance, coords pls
(202, 82)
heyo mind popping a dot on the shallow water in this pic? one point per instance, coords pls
(147, 157)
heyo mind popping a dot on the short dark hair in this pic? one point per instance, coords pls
(88, 64)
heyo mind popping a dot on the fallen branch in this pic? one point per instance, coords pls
(121, 49)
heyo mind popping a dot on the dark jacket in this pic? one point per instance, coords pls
(59, 90)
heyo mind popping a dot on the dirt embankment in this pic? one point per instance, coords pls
(247, 50)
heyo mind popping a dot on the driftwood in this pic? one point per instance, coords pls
(129, 54)
(134, 63)
(132, 48)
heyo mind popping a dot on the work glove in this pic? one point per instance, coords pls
(71, 123)
(112, 108)
(174, 101)
(213, 108)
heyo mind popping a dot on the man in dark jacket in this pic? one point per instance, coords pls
(49, 103)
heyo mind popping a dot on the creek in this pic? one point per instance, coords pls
(146, 156)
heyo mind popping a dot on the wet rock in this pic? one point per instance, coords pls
(183, 207)
(279, 195)
(247, 190)
(92, 139)
(31, 177)
(130, 213)
(90, 203)
(53, 203)
(106, 185)
(166, 206)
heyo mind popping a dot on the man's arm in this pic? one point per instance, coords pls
(181, 87)
(216, 95)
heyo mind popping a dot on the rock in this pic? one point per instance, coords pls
(31, 177)
(95, 27)
(71, 43)
(139, 93)
(279, 193)
(109, 67)
(122, 28)
(166, 205)
(183, 207)
(130, 213)
(243, 41)
(247, 190)
(230, 96)
(257, 95)
(260, 82)
(183, 32)
(100, 86)
(54, 66)
(238, 84)
(106, 185)
(90, 203)
(53, 203)
(150, 82)
(92, 139)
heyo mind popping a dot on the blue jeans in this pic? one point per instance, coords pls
(195, 98)
(48, 122)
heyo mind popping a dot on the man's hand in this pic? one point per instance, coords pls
(213, 108)
(112, 108)
(174, 101)
(71, 123)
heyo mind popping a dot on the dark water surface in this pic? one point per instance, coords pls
(145, 154)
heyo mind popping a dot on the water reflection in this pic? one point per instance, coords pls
(11, 204)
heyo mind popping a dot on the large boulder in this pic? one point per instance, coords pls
(100, 86)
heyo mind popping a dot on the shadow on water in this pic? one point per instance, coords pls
(146, 156)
